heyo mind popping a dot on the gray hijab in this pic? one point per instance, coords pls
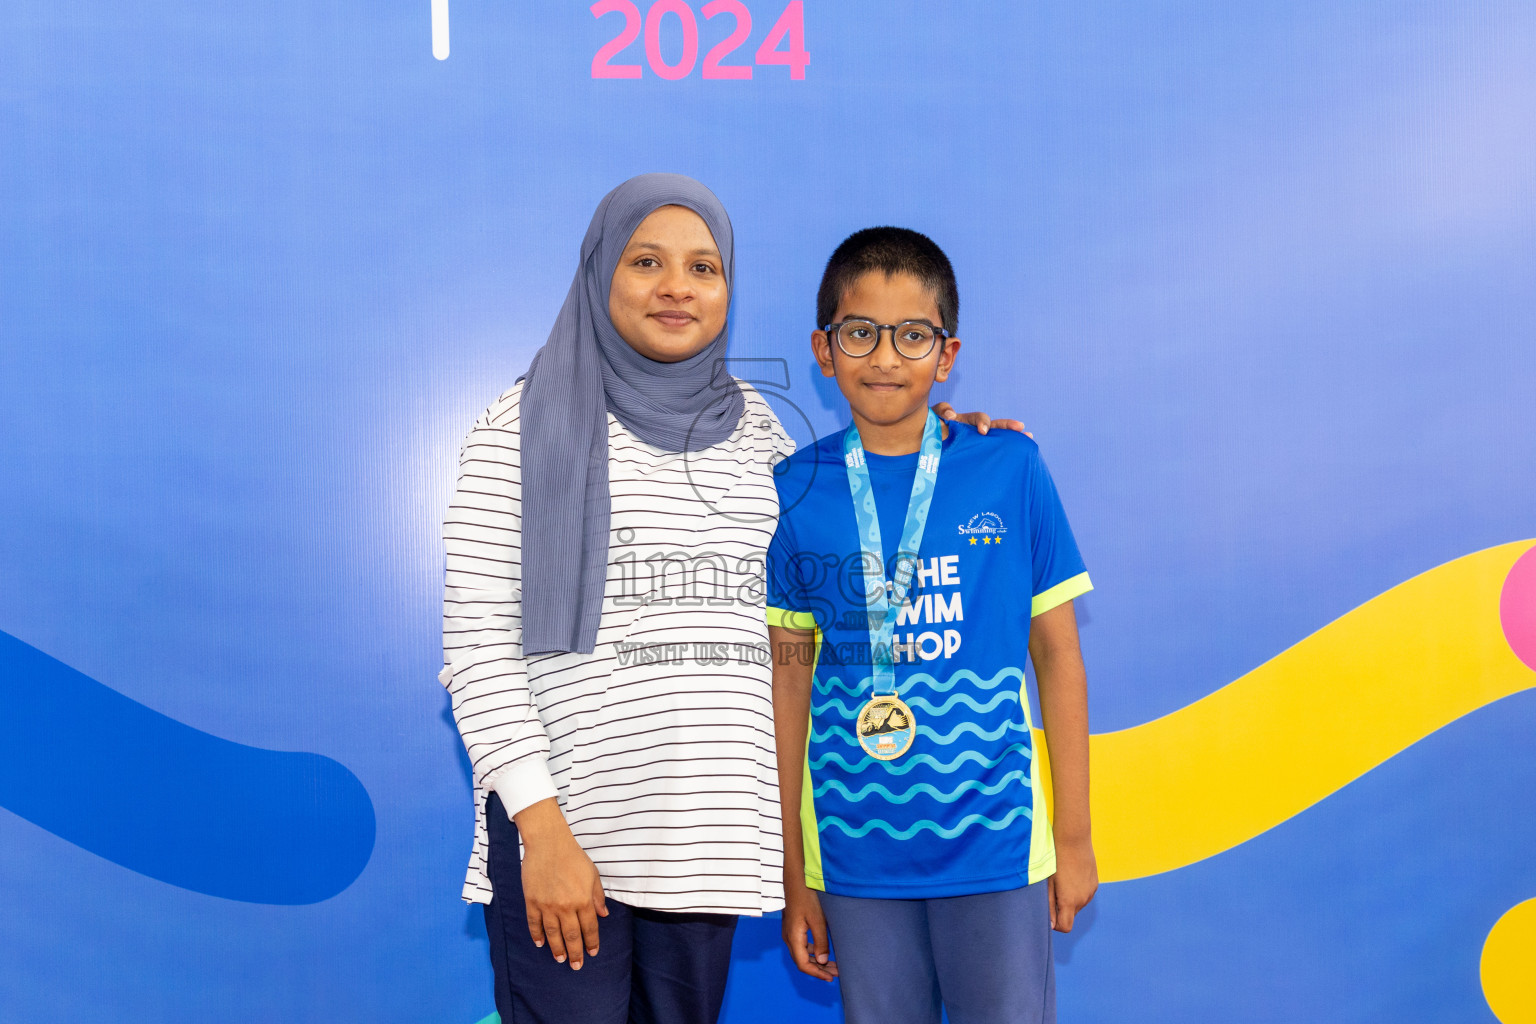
(584, 371)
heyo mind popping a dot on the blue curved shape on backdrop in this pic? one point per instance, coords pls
(169, 801)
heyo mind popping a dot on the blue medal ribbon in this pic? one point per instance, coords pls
(883, 598)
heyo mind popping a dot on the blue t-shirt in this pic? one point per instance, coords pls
(962, 811)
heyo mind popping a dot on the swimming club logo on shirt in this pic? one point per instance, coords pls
(984, 528)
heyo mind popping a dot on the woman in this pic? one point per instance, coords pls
(604, 633)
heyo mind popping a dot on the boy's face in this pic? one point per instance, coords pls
(885, 388)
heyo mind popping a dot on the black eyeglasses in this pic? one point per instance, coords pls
(858, 337)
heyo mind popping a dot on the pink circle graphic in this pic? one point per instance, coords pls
(1517, 608)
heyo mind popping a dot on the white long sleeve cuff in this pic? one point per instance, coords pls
(522, 784)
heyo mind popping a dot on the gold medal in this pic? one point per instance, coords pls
(886, 727)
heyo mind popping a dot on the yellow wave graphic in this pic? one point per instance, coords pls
(1307, 722)
(1509, 983)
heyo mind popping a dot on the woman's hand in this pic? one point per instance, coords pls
(980, 420)
(562, 892)
(1074, 883)
(802, 913)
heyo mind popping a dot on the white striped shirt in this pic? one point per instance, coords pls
(659, 744)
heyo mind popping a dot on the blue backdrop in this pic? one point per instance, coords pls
(1261, 277)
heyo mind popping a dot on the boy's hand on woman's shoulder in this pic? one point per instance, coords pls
(980, 420)
(1074, 883)
(802, 913)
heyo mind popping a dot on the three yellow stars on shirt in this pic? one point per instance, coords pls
(987, 540)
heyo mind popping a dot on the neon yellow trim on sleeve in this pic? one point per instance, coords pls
(810, 834)
(1060, 594)
(786, 619)
(1042, 840)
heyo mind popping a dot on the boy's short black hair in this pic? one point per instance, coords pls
(891, 251)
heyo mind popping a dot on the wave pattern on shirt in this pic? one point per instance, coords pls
(988, 711)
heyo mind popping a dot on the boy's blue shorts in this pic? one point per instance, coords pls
(989, 955)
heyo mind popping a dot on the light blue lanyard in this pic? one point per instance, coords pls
(883, 598)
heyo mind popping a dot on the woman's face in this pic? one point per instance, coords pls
(668, 297)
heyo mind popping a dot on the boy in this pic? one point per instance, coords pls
(912, 567)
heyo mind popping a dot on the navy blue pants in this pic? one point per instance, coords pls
(653, 967)
(985, 958)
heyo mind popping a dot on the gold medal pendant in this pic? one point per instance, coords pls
(886, 727)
